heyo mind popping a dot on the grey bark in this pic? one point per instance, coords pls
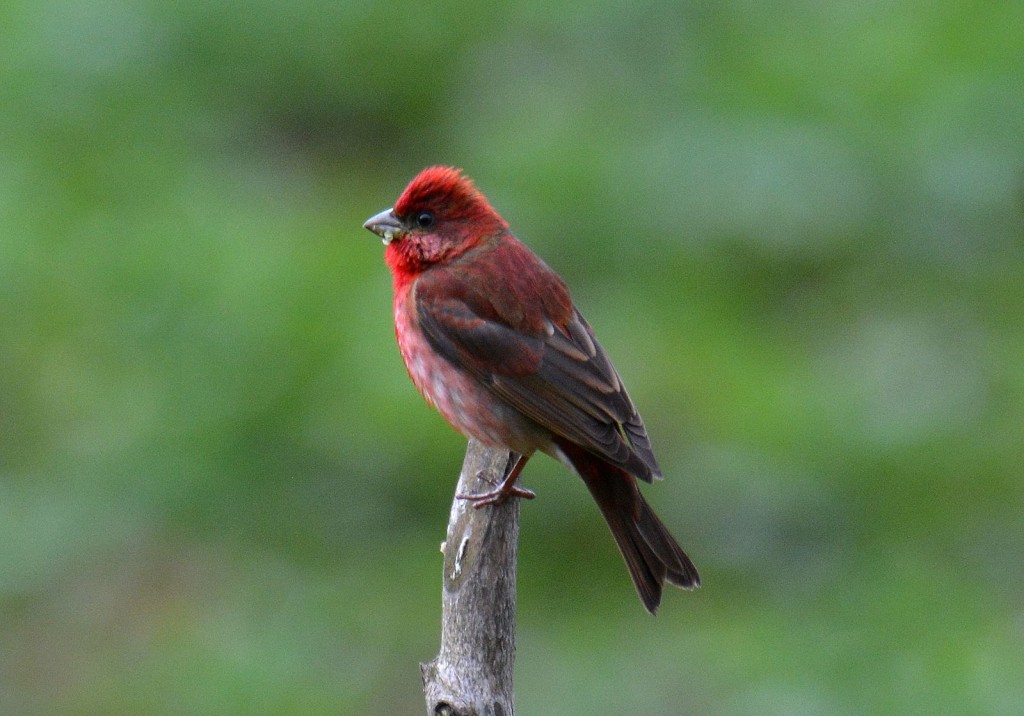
(472, 674)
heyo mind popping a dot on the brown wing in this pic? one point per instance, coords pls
(529, 345)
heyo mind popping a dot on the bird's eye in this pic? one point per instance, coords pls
(425, 219)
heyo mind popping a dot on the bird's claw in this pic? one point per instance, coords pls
(498, 496)
(504, 489)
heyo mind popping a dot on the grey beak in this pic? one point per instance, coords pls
(385, 224)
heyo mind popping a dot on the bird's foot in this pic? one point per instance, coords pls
(498, 495)
(503, 490)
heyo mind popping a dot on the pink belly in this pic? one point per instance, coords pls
(468, 406)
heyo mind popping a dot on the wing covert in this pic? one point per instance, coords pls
(554, 371)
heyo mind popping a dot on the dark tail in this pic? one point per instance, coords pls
(651, 553)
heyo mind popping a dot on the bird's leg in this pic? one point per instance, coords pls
(506, 488)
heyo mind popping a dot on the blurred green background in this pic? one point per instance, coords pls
(797, 228)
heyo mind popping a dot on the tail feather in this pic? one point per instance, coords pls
(651, 553)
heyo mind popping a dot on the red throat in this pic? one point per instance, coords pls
(403, 271)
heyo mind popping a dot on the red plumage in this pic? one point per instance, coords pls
(491, 338)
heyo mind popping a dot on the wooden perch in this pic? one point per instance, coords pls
(472, 674)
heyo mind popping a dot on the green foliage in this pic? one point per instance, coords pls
(796, 227)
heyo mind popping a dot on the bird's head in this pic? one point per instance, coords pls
(439, 216)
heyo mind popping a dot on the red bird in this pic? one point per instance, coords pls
(492, 340)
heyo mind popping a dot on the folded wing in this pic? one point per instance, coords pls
(530, 346)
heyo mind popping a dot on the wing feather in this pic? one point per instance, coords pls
(544, 361)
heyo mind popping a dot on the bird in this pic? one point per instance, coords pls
(490, 336)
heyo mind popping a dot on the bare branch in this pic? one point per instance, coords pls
(472, 674)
